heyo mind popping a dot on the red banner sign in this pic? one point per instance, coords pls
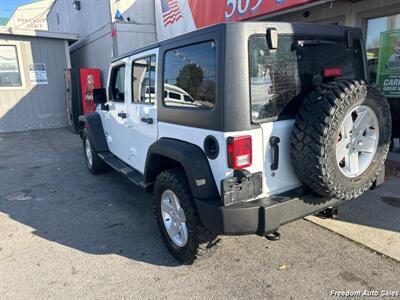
(207, 12)
(174, 17)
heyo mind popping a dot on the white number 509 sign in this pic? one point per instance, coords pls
(240, 7)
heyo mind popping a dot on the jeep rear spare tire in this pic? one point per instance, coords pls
(341, 138)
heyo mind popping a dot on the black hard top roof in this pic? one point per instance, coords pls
(315, 28)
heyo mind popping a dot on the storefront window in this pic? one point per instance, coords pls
(9, 67)
(374, 29)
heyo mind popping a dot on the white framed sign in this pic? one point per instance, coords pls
(38, 73)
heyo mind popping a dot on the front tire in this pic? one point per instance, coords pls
(180, 225)
(93, 162)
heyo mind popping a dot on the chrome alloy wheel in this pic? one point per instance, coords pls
(88, 151)
(174, 218)
(357, 141)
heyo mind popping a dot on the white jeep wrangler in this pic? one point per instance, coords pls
(240, 128)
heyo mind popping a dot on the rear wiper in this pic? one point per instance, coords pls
(303, 43)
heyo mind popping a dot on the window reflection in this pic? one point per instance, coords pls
(9, 67)
(190, 76)
(280, 80)
(118, 84)
(143, 79)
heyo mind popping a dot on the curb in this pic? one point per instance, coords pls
(392, 168)
(358, 237)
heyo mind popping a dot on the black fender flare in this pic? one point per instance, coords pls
(193, 160)
(92, 122)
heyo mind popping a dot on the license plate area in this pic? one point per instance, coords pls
(243, 186)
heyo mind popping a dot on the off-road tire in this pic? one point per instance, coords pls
(315, 134)
(98, 165)
(201, 241)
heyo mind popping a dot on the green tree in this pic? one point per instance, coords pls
(190, 78)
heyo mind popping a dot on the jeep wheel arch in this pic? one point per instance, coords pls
(92, 122)
(168, 153)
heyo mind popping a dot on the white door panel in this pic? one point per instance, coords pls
(284, 178)
(142, 107)
(142, 134)
(117, 132)
(105, 122)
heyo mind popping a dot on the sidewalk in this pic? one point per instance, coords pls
(372, 220)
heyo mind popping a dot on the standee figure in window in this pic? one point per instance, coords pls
(90, 86)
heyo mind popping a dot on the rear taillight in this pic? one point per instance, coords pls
(332, 72)
(239, 152)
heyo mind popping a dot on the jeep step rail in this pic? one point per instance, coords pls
(118, 165)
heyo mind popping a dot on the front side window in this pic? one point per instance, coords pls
(117, 87)
(10, 75)
(190, 76)
(143, 80)
(280, 79)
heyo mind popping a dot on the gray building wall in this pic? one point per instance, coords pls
(35, 106)
(93, 51)
(132, 37)
(94, 24)
(94, 14)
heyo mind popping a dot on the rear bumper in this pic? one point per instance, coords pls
(261, 216)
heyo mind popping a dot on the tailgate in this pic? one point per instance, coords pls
(281, 177)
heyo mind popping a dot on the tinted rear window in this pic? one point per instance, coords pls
(280, 79)
(190, 76)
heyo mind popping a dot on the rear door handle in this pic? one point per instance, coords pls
(274, 141)
(147, 120)
(122, 115)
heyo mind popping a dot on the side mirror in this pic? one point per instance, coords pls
(100, 96)
(272, 38)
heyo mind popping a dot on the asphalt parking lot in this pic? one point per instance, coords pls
(67, 234)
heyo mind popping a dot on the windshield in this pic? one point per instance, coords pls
(281, 78)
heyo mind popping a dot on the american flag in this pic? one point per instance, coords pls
(171, 12)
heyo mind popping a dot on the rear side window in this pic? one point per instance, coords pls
(143, 80)
(117, 86)
(280, 79)
(190, 76)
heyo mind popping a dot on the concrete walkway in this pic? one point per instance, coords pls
(373, 220)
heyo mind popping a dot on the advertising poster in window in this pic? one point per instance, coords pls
(90, 80)
(389, 64)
